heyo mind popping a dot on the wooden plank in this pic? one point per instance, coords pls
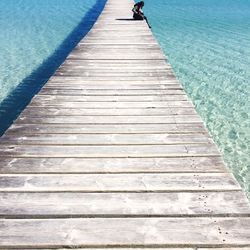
(85, 45)
(137, 98)
(119, 33)
(135, 64)
(32, 111)
(170, 79)
(163, 182)
(111, 105)
(119, 41)
(176, 119)
(105, 76)
(109, 150)
(120, 92)
(45, 205)
(92, 67)
(24, 129)
(99, 87)
(101, 76)
(152, 48)
(129, 232)
(107, 139)
(117, 62)
(120, 56)
(111, 165)
(109, 53)
(132, 37)
(90, 81)
(89, 84)
(226, 248)
(131, 64)
(112, 74)
(131, 79)
(106, 248)
(112, 22)
(99, 70)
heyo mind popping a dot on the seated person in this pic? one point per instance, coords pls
(138, 13)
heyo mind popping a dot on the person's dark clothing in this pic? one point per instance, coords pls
(137, 10)
(138, 13)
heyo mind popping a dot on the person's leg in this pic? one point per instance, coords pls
(147, 22)
(137, 17)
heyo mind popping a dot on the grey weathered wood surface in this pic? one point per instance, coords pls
(163, 248)
(111, 153)
(112, 165)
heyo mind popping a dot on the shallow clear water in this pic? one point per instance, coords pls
(35, 37)
(208, 45)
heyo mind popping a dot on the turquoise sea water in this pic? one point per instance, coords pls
(208, 45)
(35, 38)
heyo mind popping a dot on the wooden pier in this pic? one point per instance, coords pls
(112, 154)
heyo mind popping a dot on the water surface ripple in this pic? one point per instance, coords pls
(35, 38)
(208, 45)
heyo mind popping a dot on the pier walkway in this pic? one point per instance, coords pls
(112, 154)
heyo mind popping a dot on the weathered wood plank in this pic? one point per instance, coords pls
(108, 68)
(169, 79)
(120, 56)
(107, 139)
(99, 87)
(226, 248)
(163, 182)
(117, 62)
(174, 119)
(120, 92)
(111, 105)
(128, 64)
(105, 76)
(120, 33)
(112, 74)
(110, 21)
(83, 45)
(107, 71)
(42, 205)
(106, 248)
(118, 248)
(24, 129)
(111, 165)
(96, 76)
(116, 54)
(119, 41)
(137, 98)
(109, 150)
(118, 48)
(33, 111)
(131, 79)
(102, 232)
(90, 81)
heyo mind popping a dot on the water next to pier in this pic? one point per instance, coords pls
(35, 38)
(208, 45)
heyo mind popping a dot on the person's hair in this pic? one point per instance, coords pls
(141, 3)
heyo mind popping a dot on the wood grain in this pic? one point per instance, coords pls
(128, 232)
